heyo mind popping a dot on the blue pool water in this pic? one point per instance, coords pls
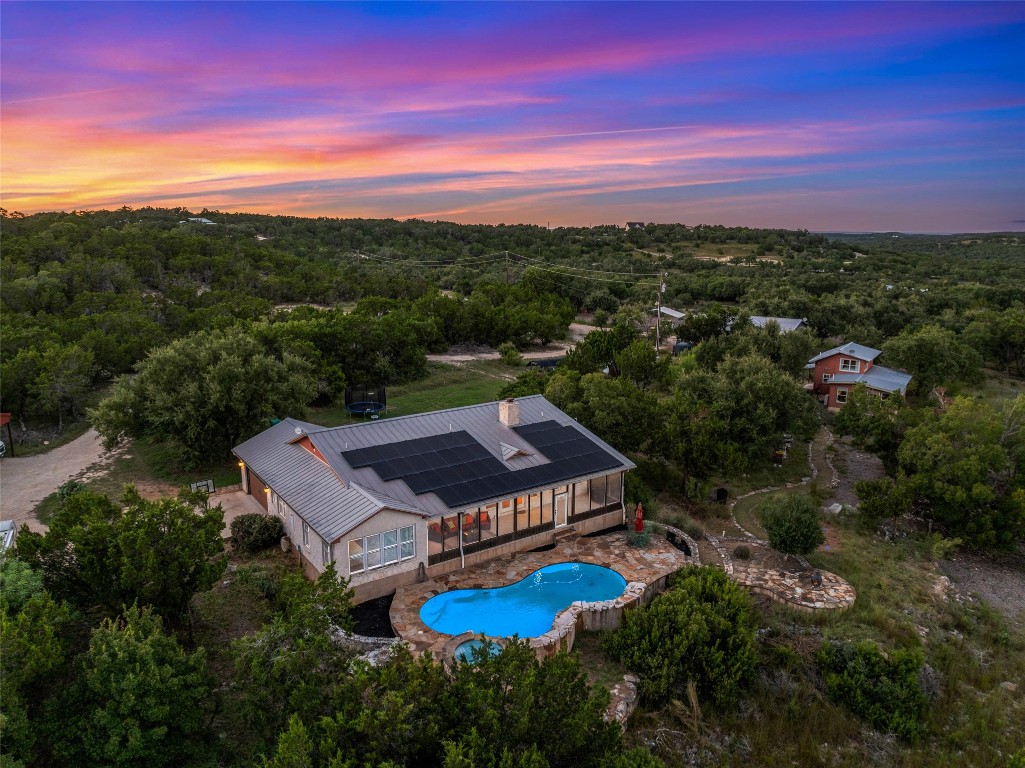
(526, 608)
(464, 651)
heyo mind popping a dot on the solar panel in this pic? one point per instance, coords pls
(461, 471)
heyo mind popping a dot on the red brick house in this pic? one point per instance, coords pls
(835, 372)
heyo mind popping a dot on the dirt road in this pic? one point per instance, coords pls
(26, 481)
(577, 331)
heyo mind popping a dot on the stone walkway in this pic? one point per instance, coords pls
(803, 587)
(645, 571)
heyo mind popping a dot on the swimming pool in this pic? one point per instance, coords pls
(526, 608)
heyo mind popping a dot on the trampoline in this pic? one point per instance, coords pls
(361, 400)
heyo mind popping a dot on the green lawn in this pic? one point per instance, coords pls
(445, 386)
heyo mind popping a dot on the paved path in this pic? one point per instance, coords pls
(26, 481)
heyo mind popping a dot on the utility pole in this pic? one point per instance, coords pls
(658, 316)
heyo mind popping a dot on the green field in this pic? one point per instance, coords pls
(446, 386)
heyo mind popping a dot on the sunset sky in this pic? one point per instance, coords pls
(830, 117)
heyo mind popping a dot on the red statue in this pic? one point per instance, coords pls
(639, 518)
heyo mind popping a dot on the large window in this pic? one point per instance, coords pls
(380, 549)
(306, 534)
(850, 365)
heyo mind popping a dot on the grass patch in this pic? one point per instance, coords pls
(600, 669)
(792, 470)
(994, 387)
(445, 386)
(47, 508)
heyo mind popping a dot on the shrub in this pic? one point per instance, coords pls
(792, 522)
(69, 489)
(879, 499)
(884, 691)
(509, 354)
(702, 631)
(639, 539)
(741, 552)
(253, 532)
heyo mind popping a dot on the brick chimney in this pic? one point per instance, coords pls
(509, 413)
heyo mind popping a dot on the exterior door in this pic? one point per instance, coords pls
(561, 509)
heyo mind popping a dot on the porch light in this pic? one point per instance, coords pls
(241, 463)
(267, 491)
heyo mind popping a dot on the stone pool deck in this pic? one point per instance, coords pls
(645, 571)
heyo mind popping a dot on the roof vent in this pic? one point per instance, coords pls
(509, 413)
(511, 451)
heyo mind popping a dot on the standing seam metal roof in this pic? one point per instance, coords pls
(334, 498)
(859, 351)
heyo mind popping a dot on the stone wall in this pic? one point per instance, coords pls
(592, 617)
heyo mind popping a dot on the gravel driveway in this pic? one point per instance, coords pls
(26, 481)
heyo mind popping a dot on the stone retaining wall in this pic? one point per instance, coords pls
(592, 617)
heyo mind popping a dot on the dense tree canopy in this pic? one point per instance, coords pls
(963, 468)
(205, 394)
(138, 701)
(97, 554)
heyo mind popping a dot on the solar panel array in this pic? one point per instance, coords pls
(461, 471)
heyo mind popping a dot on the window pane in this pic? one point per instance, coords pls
(547, 507)
(488, 521)
(407, 550)
(389, 538)
(355, 555)
(597, 492)
(391, 554)
(434, 536)
(535, 510)
(406, 534)
(581, 497)
(613, 488)
(470, 531)
(373, 554)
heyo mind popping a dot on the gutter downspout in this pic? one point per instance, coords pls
(462, 557)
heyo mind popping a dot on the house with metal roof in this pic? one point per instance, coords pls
(389, 500)
(785, 324)
(835, 372)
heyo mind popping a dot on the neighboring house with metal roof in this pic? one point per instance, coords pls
(669, 312)
(835, 372)
(785, 324)
(434, 491)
